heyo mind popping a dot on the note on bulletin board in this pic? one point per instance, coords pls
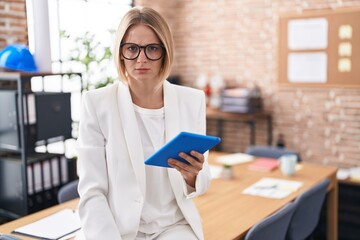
(305, 34)
(308, 67)
(320, 48)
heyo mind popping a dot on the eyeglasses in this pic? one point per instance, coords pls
(131, 51)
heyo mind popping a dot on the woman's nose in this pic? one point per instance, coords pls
(142, 57)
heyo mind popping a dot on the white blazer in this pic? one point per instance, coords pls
(111, 162)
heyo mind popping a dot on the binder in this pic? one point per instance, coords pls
(37, 177)
(46, 172)
(30, 179)
(55, 171)
(64, 170)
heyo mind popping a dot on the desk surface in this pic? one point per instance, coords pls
(225, 211)
(229, 214)
(9, 227)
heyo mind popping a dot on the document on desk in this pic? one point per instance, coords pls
(53, 227)
(234, 158)
(273, 188)
(215, 171)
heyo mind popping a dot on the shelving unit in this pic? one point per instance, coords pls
(29, 180)
(251, 119)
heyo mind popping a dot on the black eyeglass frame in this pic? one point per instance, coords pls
(144, 47)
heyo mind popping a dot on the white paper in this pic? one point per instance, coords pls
(235, 158)
(345, 49)
(307, 67)
(74, 235)
(215, 171)
(273, 188)
(345, 32)
(305, 34)
(355, 173)
(343, 173)
(54, 226)
(344, 65)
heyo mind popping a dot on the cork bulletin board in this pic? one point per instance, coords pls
(320, 48)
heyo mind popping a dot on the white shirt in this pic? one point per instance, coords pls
(160, 208)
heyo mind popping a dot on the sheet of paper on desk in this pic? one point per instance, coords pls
(54, 226)
(273, 188)
(234, 158)
(215, 171)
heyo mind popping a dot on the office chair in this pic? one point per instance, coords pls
(273, 227)
(8, 237)
(68, 191)
(307, 212)
(270, 152)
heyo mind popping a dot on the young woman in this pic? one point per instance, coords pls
(122, 124)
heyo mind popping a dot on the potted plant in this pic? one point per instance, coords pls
(227, 171)
(93, 57)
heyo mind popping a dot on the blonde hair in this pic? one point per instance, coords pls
(152, 19)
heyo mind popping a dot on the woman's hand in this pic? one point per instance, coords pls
(191, 170)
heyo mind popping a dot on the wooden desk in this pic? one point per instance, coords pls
(229, 214)
(350, 181)
(9, 227)
(249, 118)
(349, 211)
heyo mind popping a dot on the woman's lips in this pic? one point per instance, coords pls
(142, 70)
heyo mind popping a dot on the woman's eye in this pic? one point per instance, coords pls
(153, 48)
(133, 48)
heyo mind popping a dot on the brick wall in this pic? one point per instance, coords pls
(13, 25)
(239, 41)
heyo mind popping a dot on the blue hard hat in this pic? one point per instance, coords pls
(17, 57)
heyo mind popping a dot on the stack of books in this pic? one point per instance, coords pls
(241, 100)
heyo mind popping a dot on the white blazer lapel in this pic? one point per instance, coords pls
(172, 115)
(172, 128)
(131, 133)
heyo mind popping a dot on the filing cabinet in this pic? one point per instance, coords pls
(29, 180)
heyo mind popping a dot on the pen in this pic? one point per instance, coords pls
(266, 187)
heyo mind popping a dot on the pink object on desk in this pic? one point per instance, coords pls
(264, 164)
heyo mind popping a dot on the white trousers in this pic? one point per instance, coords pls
(176, 232)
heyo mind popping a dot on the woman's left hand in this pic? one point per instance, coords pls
(191, 170)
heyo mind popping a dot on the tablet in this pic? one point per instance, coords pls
(183, 142)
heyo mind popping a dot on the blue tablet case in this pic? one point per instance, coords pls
(183, 142)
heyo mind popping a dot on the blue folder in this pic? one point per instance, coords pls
(183, 142)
